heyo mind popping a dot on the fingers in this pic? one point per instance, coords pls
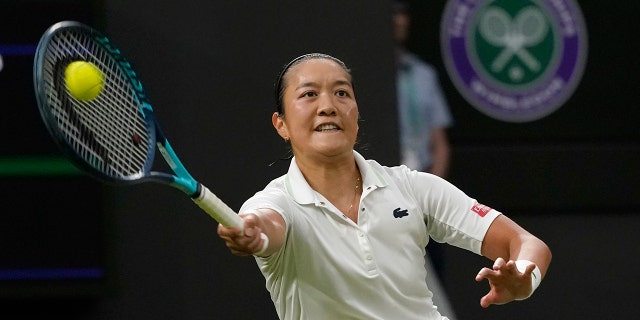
(528, 269)
(507, 281)
(482, 274)
(487, 273)
(506, 266)
(485, 301)
(229, 236)
(243, 242)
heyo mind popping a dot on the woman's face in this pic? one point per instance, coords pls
(320, 111)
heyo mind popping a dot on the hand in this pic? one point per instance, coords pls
(243, 242)
(506, 282)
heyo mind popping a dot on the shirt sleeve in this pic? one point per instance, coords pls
(451, 215)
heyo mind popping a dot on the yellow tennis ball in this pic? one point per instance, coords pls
(84, 80)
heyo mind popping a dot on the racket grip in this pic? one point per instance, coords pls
(217, 209)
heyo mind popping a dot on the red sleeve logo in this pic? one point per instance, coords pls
(481, 209)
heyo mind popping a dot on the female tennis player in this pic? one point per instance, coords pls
(347, 235)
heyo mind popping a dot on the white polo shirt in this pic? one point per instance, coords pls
(332, 268)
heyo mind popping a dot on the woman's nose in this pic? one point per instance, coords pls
(326, 106)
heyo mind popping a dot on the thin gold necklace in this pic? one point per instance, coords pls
(355, 194)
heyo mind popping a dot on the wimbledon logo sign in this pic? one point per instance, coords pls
(514, 60)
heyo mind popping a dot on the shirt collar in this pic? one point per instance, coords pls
(302, 192)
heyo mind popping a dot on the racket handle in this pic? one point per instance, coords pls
(217, 209)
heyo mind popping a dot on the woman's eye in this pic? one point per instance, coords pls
(309, 94)
(342, 93)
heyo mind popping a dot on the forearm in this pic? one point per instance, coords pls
(273, 226)
(507, 240)
(532, 249)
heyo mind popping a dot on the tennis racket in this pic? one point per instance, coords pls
(114, 136)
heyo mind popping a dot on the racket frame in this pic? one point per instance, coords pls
(181, 180)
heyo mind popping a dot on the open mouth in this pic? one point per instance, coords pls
(327, 127)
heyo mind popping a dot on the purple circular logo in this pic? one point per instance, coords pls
(514, 60)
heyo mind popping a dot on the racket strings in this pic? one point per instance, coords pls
(108, 132)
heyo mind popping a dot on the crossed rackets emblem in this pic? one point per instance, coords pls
(528, 28)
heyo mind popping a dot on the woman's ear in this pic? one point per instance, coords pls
(278, 123)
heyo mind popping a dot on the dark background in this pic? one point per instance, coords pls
(572, 177)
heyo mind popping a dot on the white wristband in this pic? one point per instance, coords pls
(265, 245)
(536, 276)
(265, 239)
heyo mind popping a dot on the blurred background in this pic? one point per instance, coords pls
(72, 248)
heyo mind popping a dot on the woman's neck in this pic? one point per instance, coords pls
(340, 183)
(327, 175)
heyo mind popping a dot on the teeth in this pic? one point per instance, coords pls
(325, 127)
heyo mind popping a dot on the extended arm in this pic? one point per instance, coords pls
(250, 242)
(516, 254)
